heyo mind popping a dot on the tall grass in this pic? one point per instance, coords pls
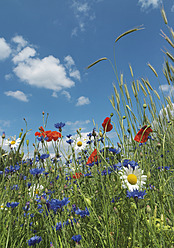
(67, 196)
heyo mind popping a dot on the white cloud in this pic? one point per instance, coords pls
(5, 123)
(54, 94)
(82, 100)
(5, 49)
(148, 3)
(66, 94)
(19, 40)
(167, 112)
(44, 73)
(17, 94)
(70, 65)
(77, 124)
(83, 12)
(8, 76)
(168, 89)
(172, 9)
(26, 53)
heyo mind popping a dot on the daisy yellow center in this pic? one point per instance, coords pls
(79, 143)
(13, 142)
(37, 192)
(2, 206)
(132, 179)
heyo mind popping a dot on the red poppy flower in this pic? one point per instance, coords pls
(77, 175)
(54, 135)
(93, 157)
(107, 126)
(50, 135)
(143, 134)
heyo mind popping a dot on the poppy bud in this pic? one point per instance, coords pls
(169, 222)
(144, 106)
(100, 133)
(43, 200)
(78, 225)
(148, 209)
(158, 145)
(43, 112)
(124, 117)
(3, 135)
(133, 205)
(20, 134)
(148, 175)
(88, 201)
(141, 154)
(111, 114)
(27, 142)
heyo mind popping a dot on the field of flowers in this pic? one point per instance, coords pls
(93, 193)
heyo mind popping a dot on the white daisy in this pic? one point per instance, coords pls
(80, 143)
(2, 207)
(132, 179)
(13, 142)
(35, 190)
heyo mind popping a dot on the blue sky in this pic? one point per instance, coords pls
(46, 45)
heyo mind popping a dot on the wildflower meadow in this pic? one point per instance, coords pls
(93, 192)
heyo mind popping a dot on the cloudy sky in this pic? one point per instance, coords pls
(45, 47)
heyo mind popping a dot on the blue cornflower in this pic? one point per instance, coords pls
(89, 135)
(105, 172)
(16, 187)
(101, 139)
(34, 240)
(59, 125)
(87, 174)
(136, 193)
(15, 168)
(58, 226)
(69, 136)
(36, 171)
(116, 166)
(82, 213)
(89, 142)
(55, 204)
(12, 204)
(114, 151)
(132, 163)
(115, 199)
(1, 172)
(43, 156)
(70, 141)
(163, 167)
(77, 238)
(74, 208)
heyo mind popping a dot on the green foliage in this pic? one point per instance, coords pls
(114, 220)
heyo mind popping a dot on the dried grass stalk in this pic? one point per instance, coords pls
(164, 15)
(170, 56)
(166, 75)
(97, 61)
(167, 38)
(128, 32)
(143, 89)
(168, 70)
(156, 94)
(152, 68)
(131, 70)
(121, 79)
(138, 88)
(147, 88)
